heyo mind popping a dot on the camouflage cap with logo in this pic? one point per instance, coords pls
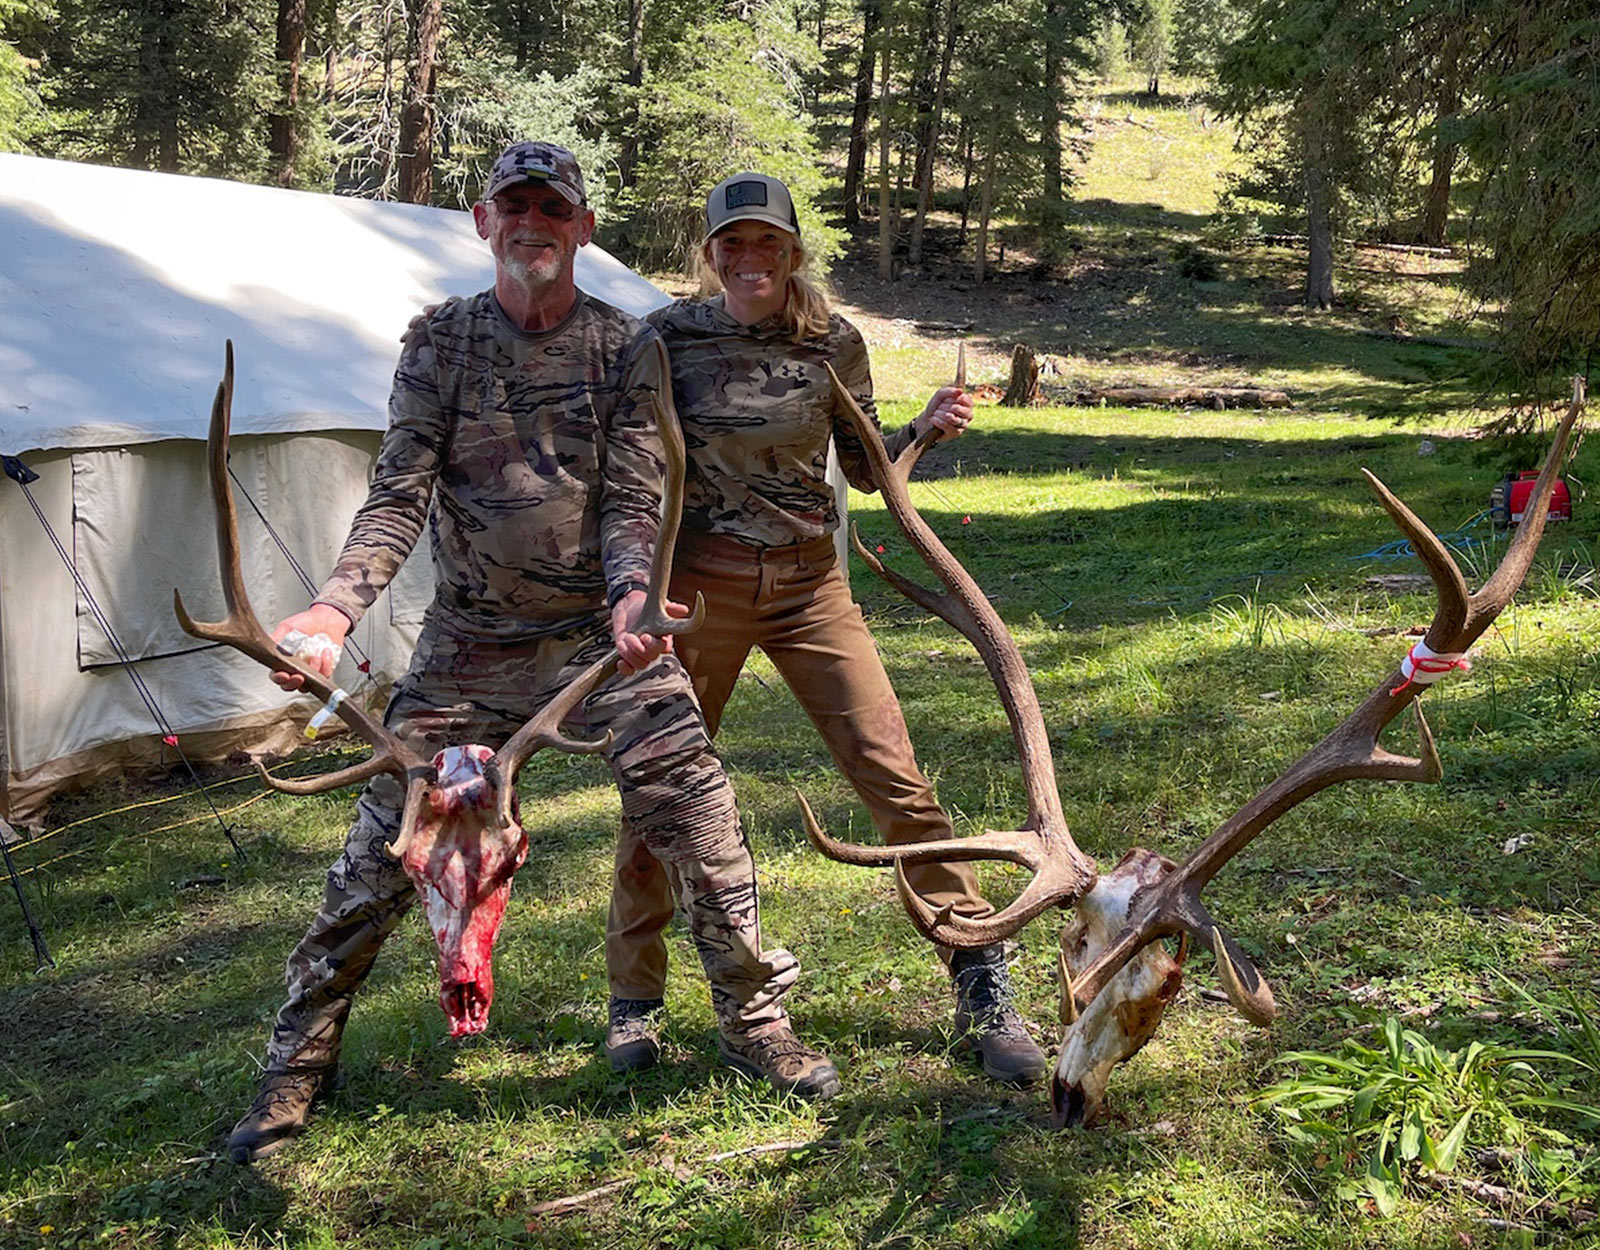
(751, 197)
(547, 163)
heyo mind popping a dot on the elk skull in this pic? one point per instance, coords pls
(1122, 1017)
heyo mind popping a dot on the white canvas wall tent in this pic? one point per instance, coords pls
(118, 289)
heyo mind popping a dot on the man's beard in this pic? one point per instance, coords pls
(534, 276)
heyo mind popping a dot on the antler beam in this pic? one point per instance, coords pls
(1350, 752)
(1062, 872)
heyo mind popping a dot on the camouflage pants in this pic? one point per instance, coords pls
(793, 603)
(674, 793)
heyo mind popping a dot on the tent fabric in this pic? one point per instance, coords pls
(118, 287)
(117, 290)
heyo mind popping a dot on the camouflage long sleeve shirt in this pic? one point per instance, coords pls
(534, 459)
(757, 411)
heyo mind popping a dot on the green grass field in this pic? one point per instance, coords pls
(1193, 594)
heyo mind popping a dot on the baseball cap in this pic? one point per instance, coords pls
(546, 163)
(750, 197)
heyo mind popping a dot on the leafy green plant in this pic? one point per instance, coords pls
(1411, 1103)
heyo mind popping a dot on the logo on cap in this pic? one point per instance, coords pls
(744, 195)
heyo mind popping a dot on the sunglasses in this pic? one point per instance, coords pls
(551, 207)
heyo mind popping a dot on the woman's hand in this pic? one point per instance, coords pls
(949, 411)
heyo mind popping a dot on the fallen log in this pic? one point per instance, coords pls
(1217, 397)
(1300, 240)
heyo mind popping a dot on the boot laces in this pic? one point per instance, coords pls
(633, 1019)
(984, 994)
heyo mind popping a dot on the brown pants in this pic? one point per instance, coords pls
(793, 603)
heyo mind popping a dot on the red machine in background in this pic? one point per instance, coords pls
(1509, 499)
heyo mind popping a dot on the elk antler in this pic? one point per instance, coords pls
(242, 631)
(1062, 873)
(656, 620)
(1350, 752)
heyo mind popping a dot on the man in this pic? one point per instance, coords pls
(521, 429)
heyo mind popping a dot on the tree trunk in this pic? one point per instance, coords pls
(928, 145)
(966, 182)
(155, 114)
(922, 81)
(1022, 391)
(856, 161)
(424, 19)
(885, 217)
(1052, 106)
(628, 154)
(1319, 231)
(1436, 205)
(980, 265)
(285, 141)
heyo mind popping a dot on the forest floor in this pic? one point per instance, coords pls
(1155, 285)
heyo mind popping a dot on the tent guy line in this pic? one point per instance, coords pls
(163, 725)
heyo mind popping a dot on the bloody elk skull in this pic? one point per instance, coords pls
(460, 838)
(1116, 977)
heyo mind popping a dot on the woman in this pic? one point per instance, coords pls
(757, 540)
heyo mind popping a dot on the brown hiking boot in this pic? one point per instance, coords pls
(986, 1021)
(633, 1033)
(281, 1109)
(782, 1058)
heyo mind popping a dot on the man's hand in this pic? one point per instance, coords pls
(949, 411)
(636, 650)
(319, 618)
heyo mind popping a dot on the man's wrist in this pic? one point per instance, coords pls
(622, 590)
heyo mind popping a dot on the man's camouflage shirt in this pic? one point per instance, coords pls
(757, 411)
(542, 461)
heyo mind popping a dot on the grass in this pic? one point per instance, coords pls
(1192, 593)
(1191, 600)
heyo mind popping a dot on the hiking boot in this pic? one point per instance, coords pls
(282, 1107)
(633, 1036)
(782, 1058)
(986, 1021)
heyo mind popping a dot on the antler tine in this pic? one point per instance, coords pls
(544, 730)
(1044, 844)
(920, 595)
(1020, 847)
(655, 619)
(1351, 751)
(242, 631)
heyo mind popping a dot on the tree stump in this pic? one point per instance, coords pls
(1023, 389)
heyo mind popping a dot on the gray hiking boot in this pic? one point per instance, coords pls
(986, 1021)
(777, 1055)
(633, 1035)
(281, 1109)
